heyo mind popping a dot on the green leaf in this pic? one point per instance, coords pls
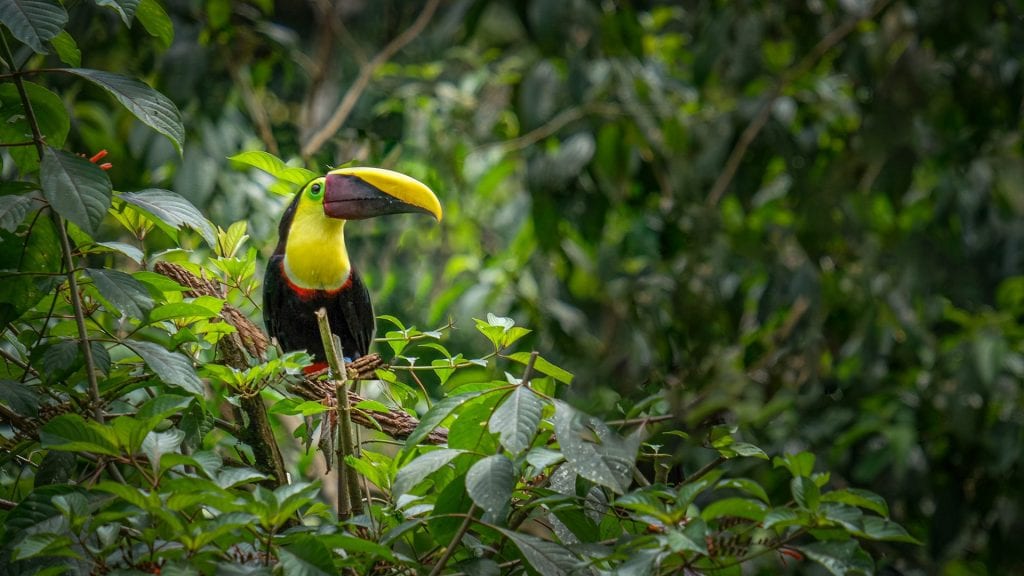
(517, 418)
(800, 464)
(33, 21)
(594, 450)
(39, 252)
(124, 8)
(739, 507)
(156, 22)
(43, 544)
(151, 107)
(171, 367)
(127, 249)
(781, 517)
(122, 290)
(72, 433)
(489, 483)
(157, 444)
(231, 477)
(410, 475)
(746, 485)
(543, 366)
(66, 48)
(51, 119)
(860, 498)
(274, 166)
(180, 310)
(875, 528)
(171, 209)
(306, 556)
(805, 492)
(437, 413)
(20, 397)
(546, 557)
(839, 558)
(76, 188)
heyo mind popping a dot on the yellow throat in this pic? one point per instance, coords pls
(315, 257)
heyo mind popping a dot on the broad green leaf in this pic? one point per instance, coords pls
(781, 517)
(163, 406)
(128, 250)
(800, 464)
(875, 528)
(39, 252)
(306, 556)
(231, 477)
(746, 485)
(543, 366)
(124, 8)
(805, 492)
(51, 118)
(157, 444)
(43, 544)
(172, 210)
(156, 22)
(122, 290)
(72, 433)
(517, 418)
(841, 558)
(19, 397)
(76, 188)
(180, 310)
(171, 367)
(740, 507)
(274, 166)
(151, 107)
(66, 48)
(437, 413)
(410, 475)
(33, 21)
(489, 483)
(546, 557)
(860, 498)
(594, 450)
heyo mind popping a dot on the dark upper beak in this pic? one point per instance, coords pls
(360, 193)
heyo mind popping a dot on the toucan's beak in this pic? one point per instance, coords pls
(360, 193)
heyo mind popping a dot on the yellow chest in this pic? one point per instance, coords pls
(315, 257)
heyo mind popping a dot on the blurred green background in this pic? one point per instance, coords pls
(800, 217)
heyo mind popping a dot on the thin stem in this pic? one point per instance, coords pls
(450, 549)
(65, 245)
(348, 102)
(704, 470)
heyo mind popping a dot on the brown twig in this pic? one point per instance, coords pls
(348, 102)
(828, 42)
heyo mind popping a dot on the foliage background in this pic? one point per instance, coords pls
(854, 288)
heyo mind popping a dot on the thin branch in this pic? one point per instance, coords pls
(257, 112)
(455, 541)
(830, 41)
(705, 470)
(65, 245)
(366, 72)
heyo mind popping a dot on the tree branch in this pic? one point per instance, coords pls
(348, 102)
(752, 130)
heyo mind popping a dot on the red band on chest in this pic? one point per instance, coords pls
(311, 293)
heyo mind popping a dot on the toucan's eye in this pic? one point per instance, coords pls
(316, 190)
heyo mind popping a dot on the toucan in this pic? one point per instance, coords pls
(311, 269)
